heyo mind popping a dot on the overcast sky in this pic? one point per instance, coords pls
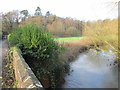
(77, 9)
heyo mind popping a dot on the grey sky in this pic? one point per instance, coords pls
(78, 9)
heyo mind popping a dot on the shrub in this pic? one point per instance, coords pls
(35, 42)
(104, 35)
(38, 48)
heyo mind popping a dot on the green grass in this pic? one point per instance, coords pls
(67, 39)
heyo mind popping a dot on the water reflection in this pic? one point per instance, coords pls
(93, 70)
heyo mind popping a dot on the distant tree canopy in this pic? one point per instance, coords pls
(57, 26)
(38, 12)
(47, 14)
(105, 32)
(10, 21)
(25, 12)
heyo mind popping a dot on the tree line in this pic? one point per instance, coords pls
(57, 26)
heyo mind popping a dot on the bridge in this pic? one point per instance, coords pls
(3, 50)
(23, 73)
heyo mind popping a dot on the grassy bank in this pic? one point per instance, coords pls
(68, 39)
(74, 48)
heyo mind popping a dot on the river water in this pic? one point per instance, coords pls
(93, 69)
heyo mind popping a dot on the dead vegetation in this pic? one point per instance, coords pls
(8, 77)
(74, 48)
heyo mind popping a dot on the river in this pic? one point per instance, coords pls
(93, 69)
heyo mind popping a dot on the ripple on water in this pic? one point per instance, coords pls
(92, 70)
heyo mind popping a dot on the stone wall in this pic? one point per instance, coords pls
(23, 73)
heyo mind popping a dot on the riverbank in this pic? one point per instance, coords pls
(74, 48)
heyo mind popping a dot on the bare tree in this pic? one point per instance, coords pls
(10, 21)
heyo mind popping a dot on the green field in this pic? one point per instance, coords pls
(67, 39)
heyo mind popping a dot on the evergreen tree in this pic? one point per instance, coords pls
(38, 12)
